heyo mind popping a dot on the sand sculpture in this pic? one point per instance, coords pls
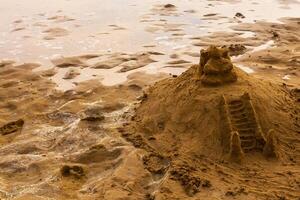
(227, 110)
(214, 125)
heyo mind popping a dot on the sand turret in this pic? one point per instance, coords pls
(236, 152)
(215, 67)
(270, 149)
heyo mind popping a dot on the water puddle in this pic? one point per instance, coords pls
(267, 45)
(264, 46)
(246, 69)
(286, 77)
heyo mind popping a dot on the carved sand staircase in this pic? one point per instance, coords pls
(241, 118)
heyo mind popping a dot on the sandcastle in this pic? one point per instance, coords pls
(228, 113)
(206, 122)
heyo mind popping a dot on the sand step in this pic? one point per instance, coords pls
(247, 137)
(240, 117)
(249, 133)
(240, 120)
(236, 101)
(247, 149)
(236, 106)
(247, 140)
(244, 125)
(238, 113)
(248, 144)
(237, 110)
(246, 130)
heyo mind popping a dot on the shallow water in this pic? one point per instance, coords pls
(246, 69)
(119, 26)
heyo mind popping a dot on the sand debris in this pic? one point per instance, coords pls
(11, 127)
(72, 170)
(92, 114)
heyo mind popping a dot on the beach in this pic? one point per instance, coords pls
(99, 101)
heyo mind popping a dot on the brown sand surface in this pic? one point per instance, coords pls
(111, 102)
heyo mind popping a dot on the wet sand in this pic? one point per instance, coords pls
(75, 72)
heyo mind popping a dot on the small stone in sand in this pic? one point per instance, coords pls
(76, 171)
(169, 6)
(239, 15)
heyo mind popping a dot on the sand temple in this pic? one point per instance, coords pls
(225, 112)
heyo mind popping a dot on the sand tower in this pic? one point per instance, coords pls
(215, 67)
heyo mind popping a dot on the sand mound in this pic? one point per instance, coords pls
(241, 120)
